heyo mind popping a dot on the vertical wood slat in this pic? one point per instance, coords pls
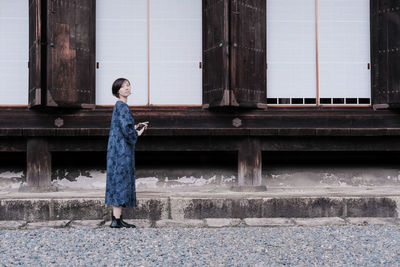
(38, 171)
(385, 53)
(71, 53)
(248, 53)
(249, 163)
(215, 53)
(393, 53)
(35, 53)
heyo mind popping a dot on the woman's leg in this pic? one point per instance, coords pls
(117, 211)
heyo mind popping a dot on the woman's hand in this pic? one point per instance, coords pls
(145, 124)
(140, 132)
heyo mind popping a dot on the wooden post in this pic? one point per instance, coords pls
(38, 168)
(249, 166)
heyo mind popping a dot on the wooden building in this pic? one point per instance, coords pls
(247, 76)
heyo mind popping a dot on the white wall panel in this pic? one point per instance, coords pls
(175, 52)
(344, 49)
(14, 52)
(121, 48)
(291, 51)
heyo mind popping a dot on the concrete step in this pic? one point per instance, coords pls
(156, 207)
(207, 222)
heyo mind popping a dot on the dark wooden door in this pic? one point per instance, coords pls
(234, 53)
(385, 53)
(248, 53)
(216, 87)
(35, 53)
(71, 53)
(62, 53)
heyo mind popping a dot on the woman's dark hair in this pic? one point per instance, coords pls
(117, 84)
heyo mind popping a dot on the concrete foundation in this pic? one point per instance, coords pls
(306, 203)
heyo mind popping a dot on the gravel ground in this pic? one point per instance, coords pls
(237, 246)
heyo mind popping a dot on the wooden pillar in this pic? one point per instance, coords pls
(249, 165)
(38, 168)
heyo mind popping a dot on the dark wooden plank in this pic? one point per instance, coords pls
(198, 132)
(38, 170)
(331, 143)
(12, 144)
(71, 54)
(385, 53)
(35, 53)
(339, 143)
(148, 143)
(248, 53)
(393, 52)
(215, 53)
(192, 122)
(249, 162)
(78, 144)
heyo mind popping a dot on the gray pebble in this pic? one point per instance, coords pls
(84, 246)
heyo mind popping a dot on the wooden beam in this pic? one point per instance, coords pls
(249, 165)
(38, 169)
(14, 120)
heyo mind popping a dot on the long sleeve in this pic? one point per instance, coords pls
(127, 124)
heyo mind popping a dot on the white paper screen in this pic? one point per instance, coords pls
(121, 48)
(344, 49)
(14, 52)
(175, 53)
(291, 50)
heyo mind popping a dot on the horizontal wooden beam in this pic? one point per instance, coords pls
(14, 119)
(153, 131)
(215, 143)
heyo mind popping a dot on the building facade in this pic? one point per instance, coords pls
(246, 76)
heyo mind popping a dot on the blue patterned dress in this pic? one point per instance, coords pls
(120, 185)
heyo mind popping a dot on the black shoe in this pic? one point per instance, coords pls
(125, 224)
(115, 223)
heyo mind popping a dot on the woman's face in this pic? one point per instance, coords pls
(125, 89)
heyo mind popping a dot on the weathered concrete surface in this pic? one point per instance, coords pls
(180, 223)
(51, 224)
(303, 207)
(78, 209)
(221, 222)
(89, 223)
(155, 209)
(221, 171)
(372, 220)
(320, 222)
(270, 222)
(12, 225)
(178, 206)
(208, 223)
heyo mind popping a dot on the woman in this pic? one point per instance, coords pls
(120, 184)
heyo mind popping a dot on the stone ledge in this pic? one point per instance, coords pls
(319, 221)
(46, 224)
(11, 225)
(156, 208)
(180, 223)
(206, 223)
(372, 221)
(270, 222)
(89, 223)
(222, 222)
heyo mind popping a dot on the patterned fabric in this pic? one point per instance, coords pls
(120, 185)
